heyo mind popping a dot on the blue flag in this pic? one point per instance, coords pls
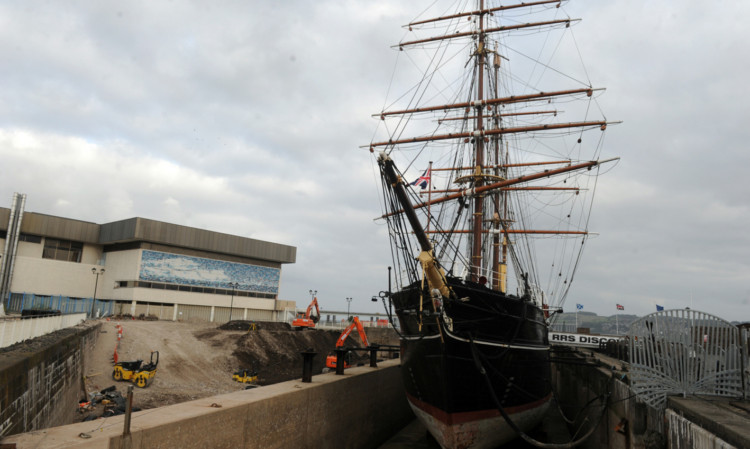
(579, 306)
(659, 308)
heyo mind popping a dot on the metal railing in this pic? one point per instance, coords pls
(686, 352)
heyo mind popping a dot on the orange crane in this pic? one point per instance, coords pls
(307, 321)
(331, 359)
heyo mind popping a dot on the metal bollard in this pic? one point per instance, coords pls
(374, 356)
(307, 362)
(128, 411)
(340, 360)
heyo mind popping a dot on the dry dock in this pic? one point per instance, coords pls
(366, 408)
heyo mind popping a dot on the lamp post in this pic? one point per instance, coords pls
(96, 283)
(312, 294)
(231, 304)
(348, 305)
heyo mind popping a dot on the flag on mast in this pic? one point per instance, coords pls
(579, 306)
(620, 307)
(423, 180)
(659, 308)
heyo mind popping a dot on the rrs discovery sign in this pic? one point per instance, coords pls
(585, 340)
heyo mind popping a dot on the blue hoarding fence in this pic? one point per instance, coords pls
(18, 302)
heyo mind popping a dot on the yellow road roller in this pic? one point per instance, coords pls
(138, 373)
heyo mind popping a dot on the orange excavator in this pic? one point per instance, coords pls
(307, 320)
(331, 359)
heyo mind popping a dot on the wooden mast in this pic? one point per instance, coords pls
(477, 220)
(497, 269)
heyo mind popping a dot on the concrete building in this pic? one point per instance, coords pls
(140, 266)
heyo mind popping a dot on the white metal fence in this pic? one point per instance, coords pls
(14, 330)
(685, 352)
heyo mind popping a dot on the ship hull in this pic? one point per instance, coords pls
(441, 355)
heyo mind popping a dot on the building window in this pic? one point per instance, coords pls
(62, 250)
(29, 238)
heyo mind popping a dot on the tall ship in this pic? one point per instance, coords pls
(489, 151)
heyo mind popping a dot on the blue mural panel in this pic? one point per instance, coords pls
(186, 270)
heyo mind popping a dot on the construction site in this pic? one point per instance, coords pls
(184, 360)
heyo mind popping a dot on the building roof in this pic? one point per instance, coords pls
(139, 229)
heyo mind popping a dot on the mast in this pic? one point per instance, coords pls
(476, 251)
(460, 124)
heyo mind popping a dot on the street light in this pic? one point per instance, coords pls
(96, 283)
(312, 294)
(231, 305)
(348, 305)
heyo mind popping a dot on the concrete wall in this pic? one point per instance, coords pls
(54, 277)
(626, 424)
(361, 409)
(40, 388)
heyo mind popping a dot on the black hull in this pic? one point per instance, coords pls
(440, 368)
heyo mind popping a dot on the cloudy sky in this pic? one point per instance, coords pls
(247, 117)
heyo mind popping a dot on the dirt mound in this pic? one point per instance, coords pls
(244, 325)
(197, 359)
(277, 354)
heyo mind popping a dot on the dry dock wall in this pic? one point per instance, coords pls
(40, 385)
(360, 409)
(686, 423)
(582, 382)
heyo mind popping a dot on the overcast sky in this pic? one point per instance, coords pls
(247, 117)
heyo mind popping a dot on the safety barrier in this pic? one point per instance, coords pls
(14, 330)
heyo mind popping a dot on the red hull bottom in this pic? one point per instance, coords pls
(484, 429)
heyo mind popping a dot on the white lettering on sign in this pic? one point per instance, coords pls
(591, 341)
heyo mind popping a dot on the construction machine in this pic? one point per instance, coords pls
(245, 376)
(331, 359)
(307, 320)
(138, 373)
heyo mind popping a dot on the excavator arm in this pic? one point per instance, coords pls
(344, 335)
(315, 317)
(331, 359)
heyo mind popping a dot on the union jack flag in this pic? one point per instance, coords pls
(619, 307)
(423, 180)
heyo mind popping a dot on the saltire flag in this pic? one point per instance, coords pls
(579, 306)
(659, 308)
(423, 180)
(620, 307)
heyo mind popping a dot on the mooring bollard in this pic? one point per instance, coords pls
(307, 362)
(340, 360)
(128, 410)
(374, 356)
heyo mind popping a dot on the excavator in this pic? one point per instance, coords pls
(306, 320)
(138, 373)
(331, 359)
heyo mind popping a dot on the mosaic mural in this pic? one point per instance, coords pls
(187, 270)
